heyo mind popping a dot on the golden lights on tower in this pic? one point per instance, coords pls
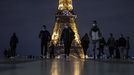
(65, 15)
(65, 5)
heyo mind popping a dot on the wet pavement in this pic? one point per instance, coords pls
(70, 66)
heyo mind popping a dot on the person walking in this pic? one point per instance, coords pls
(95, 36)
(67, 36)
(102, 44)
(122, 46)
(111, 45)
(117, 52)
(45, 37)
(13, 44)
(127, 47)
(85, 43)
(51, 49)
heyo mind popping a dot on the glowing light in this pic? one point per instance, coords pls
(54, 69)
(56, 33)
(60, 7)
(55, 37)
(73, 26)
(70, 7)
(65, 5)
(76, 68)
(58, 57)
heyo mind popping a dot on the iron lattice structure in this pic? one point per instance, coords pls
(66, 16)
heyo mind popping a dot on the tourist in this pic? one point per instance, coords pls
(127, 47)
(102, 44)
(85, 43)
(67, 36)
(13, 44)
(122, 46)
(45, 37)
(95, 36)
(111, 45)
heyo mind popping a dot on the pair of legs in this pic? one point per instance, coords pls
(127, 53)
(122, 52)
(51, 49)
(44, 52)
(117, 53)
(111, 52)
(67, 46)
(94, 48)
(13, 51)
(85, 51)
(101, 51)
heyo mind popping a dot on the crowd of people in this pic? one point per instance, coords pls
(118, 48)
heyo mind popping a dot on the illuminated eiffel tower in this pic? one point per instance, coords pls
(65, 15)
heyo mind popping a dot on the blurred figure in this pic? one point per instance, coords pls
(45, 37)
(95, 36)
(111, 45)
(117, 52)
(122, 46)
(51, 49)
(127, 47)
(102, 43)
(13, 44)
(67, 36)
(85, 43)
(5, 53)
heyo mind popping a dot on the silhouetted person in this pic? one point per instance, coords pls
(117, 52)
(122, 46)
(45, 37)
(6, 53)
(127, 47)
(13, 44)
(111, 45)
(52, 50)
(85, 43)
(102, 43)
(67, 36)
(95, 36)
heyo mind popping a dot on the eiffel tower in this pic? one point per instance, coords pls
(65, 15)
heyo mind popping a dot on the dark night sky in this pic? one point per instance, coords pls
(25, 17)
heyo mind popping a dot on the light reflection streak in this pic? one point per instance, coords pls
(72, 67)
(54, 69)
(78, 67)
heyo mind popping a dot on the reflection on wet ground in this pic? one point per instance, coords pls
(71, 66)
